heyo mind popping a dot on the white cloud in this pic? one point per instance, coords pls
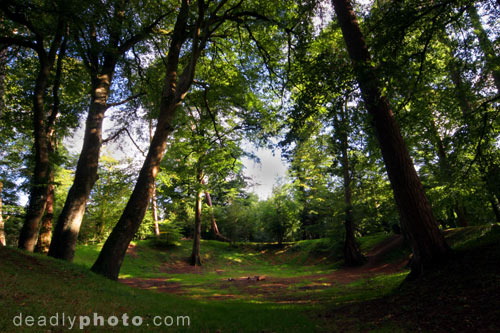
(265, 174)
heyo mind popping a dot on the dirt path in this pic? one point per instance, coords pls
(301, 289)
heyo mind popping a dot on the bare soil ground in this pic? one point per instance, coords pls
(302, 289)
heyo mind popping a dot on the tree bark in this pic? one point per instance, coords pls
(2, 222)
(69, 222)
(428, 244)
(352, 253)
(40, 182)
(100, 59)
(111, 256)
(41, 173)
(154, 206)
(195, 259)
(45, 235)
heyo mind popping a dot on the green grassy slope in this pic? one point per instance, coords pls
(39, 286)
(462, 295)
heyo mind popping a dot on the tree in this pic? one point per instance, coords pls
(428, 244)
(174, 90)
(314, 107)
(282, 217)
(442, 94)
(36, 38)
(101, 46)
(208, 19)
(352, 253)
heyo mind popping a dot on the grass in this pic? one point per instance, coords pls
(148, 261)
(369, 242)
(304, 297)
(40, 286)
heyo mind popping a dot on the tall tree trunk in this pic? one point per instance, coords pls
(101, 59)
(154, 206)
(195, 259)
(45, 234)
(40, 181)
(69, 221)
(111, 256)
(2, 222)
(428, 244)
(352, 253)
(41, 174)
(491, 57)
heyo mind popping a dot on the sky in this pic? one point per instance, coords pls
(262, 176)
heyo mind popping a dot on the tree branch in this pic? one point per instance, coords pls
(19, 42)
(117, 134)
(57, 83)
(131, 98)
(140, 36)
(212, 116)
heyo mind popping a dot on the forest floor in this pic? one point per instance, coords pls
(302, 287)
(280, 289)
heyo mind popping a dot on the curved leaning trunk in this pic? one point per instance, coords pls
(111, 256)
(113, 252)
(69, 222)
(426, 240)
